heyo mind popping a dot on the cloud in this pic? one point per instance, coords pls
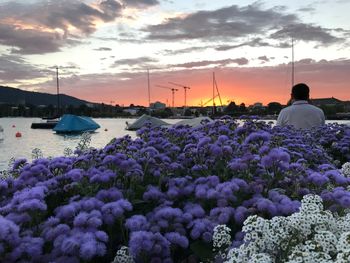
(183, 50)
(63, 14)
(256, 42)
(29, 41)
(134, 61)
(223, 62)
(307, 33)
(103, 49)
(46, 26)
(264, 59)
(238, 23)
(14, 69)
(224, 23)
(140, 3)
(308, 9)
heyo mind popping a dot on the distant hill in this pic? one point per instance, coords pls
(16, 96)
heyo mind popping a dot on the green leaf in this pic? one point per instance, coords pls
(202, 250)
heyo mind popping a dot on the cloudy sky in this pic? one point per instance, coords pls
(103, 48)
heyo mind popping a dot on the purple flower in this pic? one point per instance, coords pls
(195, 210)
(19, 163)
(344, 201)
(9, 232)
(265, 205)
(237, 165)
(88, 250)
(276, 157)
(112, 211)
(137, 223)
(258, 136)
(112, 194)
(70, 245)
(318, 179)
(177, 239)
(153, 194)
(203, 141)
(216, 150)
(31, 247)
(33, 204)
(222, 214)
(241, 214)
(75, 175)
(67, 211)
(152, 244)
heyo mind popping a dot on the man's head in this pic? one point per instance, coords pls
(300, 92)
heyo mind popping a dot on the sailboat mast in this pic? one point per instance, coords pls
(213, 93)
(149, 89)
(58, 92)
(292, 62)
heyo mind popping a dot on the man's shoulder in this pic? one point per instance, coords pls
(287, 109)
(315, 107)
(293, 109)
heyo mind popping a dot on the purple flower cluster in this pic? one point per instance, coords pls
(163, 193)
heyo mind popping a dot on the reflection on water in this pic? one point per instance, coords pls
(52, 144)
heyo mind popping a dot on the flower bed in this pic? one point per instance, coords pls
(161, 195)
(310, 235)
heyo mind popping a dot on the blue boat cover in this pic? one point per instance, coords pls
(72, 123)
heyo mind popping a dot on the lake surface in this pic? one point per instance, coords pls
(52, 144)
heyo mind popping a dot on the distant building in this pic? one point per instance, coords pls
(326, 102)
(131, 111)
(89, 105)
(347, 105)
(157, 106)
(257, 105)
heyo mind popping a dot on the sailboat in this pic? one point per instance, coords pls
(50, 122)
(1, 133)
(215, 88)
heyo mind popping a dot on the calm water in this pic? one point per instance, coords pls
(52, 144)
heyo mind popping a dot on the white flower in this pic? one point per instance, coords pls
(344, 242)
(311, 235)
(221, 236)
(343, 257)
(123, 256)
(261, 258)
(345, 169)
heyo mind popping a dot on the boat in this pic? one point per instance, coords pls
(75, 124)
(47, 124)
(50, 122)
(1, 133)
(195, 122)
(140, 122)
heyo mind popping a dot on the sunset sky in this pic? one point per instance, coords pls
(103, 48)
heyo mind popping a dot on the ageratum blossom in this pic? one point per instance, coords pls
(163, 193)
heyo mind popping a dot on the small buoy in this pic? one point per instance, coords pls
(106, 129)
(18, 134)
(13, 126)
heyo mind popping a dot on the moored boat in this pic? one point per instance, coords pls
(1, 133)
(195, 122)
(48, 124)
(75, 124)
(143, 120)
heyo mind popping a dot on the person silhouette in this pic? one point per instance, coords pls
(301, 114)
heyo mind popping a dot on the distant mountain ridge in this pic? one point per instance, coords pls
(15, 96)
